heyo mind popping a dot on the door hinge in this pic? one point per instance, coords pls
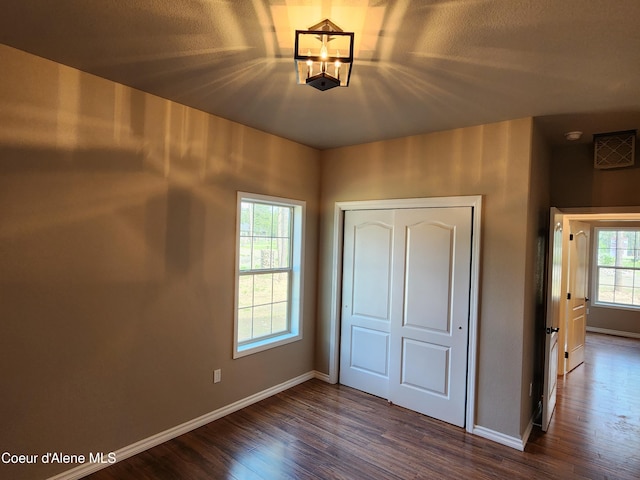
(568, 296)
(566, 354)
(571, 237)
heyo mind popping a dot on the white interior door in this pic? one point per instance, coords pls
(577, 306)
(405, 322)
(367, 300)
(554, 302)
(429, 329)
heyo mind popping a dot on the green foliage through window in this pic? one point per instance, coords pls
(618, 266)
(265, 270)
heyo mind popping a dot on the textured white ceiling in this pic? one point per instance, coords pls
(420, 66)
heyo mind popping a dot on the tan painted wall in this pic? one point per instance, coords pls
(575, 183)
(491, 160)
(117, 233)
(618, 319)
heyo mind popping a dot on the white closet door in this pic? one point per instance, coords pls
(405, 311)
(366, 301)
(430, 325)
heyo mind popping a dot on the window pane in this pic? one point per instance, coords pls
(245, 291)
(262, 220)
(261, 253)
(281, 221)
(261, 321)
(606, 258)
(245, 324)
(245, 253)
(623, 295)
(605, 293)
(281, 287)
(607, 239)
(281, 252)
(606, 276)
(280, 317)
(263, 289)
(607, 247)
(624, 278)
(246, 219)
(626, 258)
(627, 239)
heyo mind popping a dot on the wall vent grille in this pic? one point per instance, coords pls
(614, 150)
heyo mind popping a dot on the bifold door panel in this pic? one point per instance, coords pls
(366, 301)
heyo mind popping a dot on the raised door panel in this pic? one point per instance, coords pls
(426, 367)
(428, 289)
(369, 351)
(372, 270)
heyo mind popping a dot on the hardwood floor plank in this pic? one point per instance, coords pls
(318, 431)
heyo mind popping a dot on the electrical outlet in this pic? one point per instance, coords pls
(217, 376)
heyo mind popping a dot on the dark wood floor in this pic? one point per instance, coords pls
(321, 431)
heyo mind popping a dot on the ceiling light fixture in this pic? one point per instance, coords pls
(323, 56)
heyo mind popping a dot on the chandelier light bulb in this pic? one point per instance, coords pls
(323, 52)
(309, 64)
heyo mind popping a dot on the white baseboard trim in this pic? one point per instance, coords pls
(323, 376)
(618, 333)
(513, 442)
(147, 443)
(527, 432)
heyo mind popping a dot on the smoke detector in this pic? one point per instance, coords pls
(573, 136)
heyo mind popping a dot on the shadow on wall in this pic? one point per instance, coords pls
(100, 292)
(117, 235)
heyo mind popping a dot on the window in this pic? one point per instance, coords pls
(618, 267)
(268, 272)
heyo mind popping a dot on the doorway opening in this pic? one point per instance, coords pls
(569, 286)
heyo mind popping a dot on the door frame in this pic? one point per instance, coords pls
(474, 201)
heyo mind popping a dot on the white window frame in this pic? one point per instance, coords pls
(295, 307)
(596, 271)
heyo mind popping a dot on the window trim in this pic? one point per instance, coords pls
(595, 270)
(294, 333)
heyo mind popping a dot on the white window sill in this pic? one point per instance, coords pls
(265, 344)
